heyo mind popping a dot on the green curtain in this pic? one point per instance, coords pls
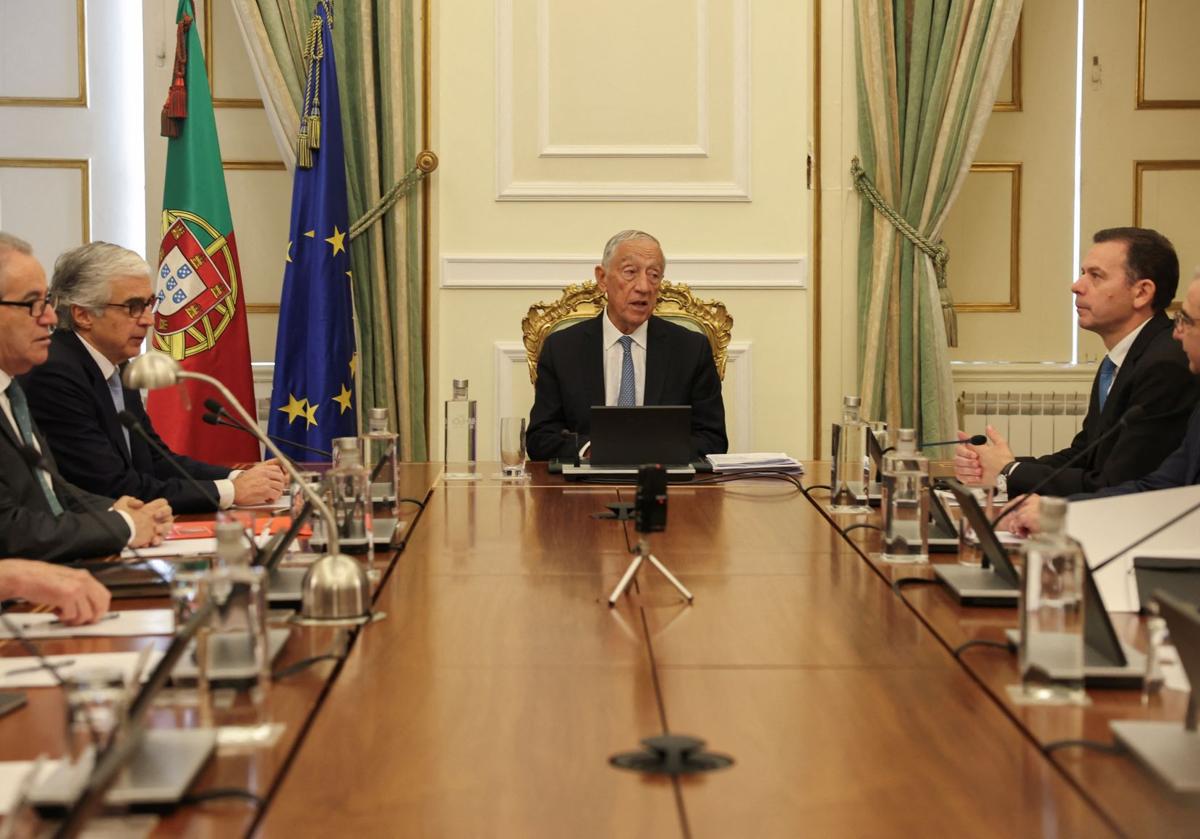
(928, 73)
(377, 49)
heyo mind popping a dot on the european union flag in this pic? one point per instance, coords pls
(312, 401)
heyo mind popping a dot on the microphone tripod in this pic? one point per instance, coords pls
(650, 515)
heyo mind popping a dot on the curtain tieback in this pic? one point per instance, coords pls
(936, 251)
(426, 162)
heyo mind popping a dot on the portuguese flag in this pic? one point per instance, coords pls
(200, 316)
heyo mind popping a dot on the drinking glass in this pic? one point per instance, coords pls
(95, 706)
(512, 446)
(188, 572)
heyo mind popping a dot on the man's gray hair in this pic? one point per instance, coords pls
(10, 244)
(625, 236)
(82, 276)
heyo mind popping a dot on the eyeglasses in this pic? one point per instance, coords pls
(1183, 320)
(136, 308)
(36, 307)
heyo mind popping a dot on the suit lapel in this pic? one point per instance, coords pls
(1124, 381)
(593, 364)
(657, 358)
(100, 392)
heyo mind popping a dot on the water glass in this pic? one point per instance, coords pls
(189, 572)
(512, 446)
(95, 707)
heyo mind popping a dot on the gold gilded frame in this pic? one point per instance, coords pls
(210, 63)
(1144, 103)
(85, 182)
(256, 166)
(80, 100)
(586, 300)
(1013, 103)
(1140, 167)
(1013, 303)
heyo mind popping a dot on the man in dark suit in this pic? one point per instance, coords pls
(624, 356)
(41, 515)
(1182, 466)
(1128, 279)
(104, 299)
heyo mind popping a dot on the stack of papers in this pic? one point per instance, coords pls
(755, 462)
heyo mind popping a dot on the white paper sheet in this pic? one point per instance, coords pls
(12, 775)
(185, 547)
(1107, 525)
(115, 624)
(42, 678)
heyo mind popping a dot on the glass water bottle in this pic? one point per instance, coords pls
(352, 509)
(905, 501)
(851, 463)
(1051, 654)
(379, 446)
(460, 432)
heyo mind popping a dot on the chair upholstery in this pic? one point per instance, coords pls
(586, 300)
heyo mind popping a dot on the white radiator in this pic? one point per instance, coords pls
(1034, 423)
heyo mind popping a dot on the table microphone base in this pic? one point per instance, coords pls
(643, 553)
(1169, 750)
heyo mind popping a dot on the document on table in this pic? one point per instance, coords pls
(183, 547)
(25, 672)
(114, 624)
(755, 462)
(12, 777)
(1105, 526)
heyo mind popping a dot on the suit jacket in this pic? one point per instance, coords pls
(679, 371)
(1154, 375)
(74, 408)
(1181, 468)
(27, 526)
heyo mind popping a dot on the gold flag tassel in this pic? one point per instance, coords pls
(174, 110)
(309, 136)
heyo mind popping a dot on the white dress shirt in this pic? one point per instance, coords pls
(6, 407)
(225, 491)
(614, 355)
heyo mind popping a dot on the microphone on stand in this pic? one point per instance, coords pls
(1133, 414)
(37, 460)
(976, 440)
(219, 416)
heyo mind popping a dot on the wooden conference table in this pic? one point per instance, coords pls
(488, 701)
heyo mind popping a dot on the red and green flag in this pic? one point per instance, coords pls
(200, 315)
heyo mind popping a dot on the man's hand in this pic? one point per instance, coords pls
(994, 456)
(262, 483)
(151, 522)
(967, 467)
(128, 503)
(1026, 519)
(74, 595)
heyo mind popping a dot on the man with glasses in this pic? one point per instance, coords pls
(624, 356)
(1128, 278)
(105, 304)
(41, 516)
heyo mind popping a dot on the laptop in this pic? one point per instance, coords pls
(624, 438)
(994, 584)
(1107, 662)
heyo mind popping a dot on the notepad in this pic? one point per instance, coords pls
(125, 662)
(131, 623)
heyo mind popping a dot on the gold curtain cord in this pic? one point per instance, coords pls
(936, 251)
(425, 163)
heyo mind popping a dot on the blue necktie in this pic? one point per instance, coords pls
(118, 398)
(627, 395)
(20, 409)
(1107, 371)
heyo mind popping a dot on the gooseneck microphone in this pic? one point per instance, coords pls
(976, 440)
(219, 416)
(131, 422)
(37, 460)
(1133, 414)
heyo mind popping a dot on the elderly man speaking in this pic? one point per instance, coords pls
(625, 356)
(104, 300)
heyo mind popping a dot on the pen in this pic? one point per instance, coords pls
(56, 622)
(49, 665)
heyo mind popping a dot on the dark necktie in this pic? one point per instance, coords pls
(1107, 371)
(20, 409)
